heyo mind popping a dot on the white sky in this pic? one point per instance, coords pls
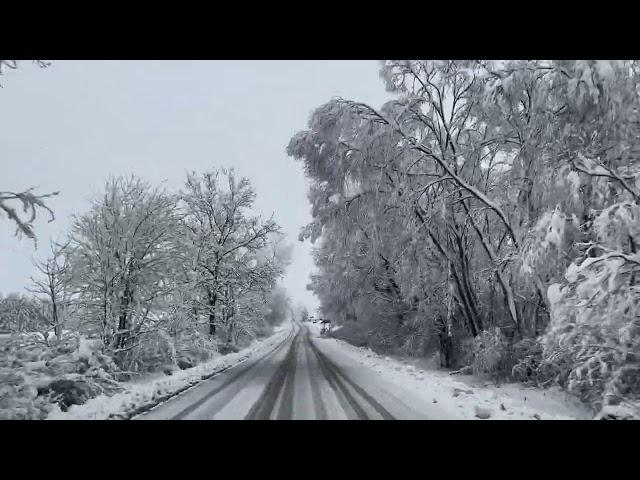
(71, 126)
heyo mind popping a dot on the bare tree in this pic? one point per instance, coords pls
(53, 285)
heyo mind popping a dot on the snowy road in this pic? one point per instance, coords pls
(295, 380)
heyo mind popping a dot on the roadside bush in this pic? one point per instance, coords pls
(492, 354)
(418, 338)
(193, 348)
(461, 351)
(35, 376)
(246, 332)
(353, 333)
(522, 361)
(155, 352)
(624, 384)
(527, 361)
(599, 364)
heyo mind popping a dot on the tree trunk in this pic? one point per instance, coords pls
(230, 333)
(123, 320)
(57, 328)
(212, 314)
(632, 247)
(213, 299)
(464, 303)
(106, 330)
(506, 287)
(466, 309)
(446, 350)
(394, 289)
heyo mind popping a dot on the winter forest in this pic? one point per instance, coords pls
(475, 238)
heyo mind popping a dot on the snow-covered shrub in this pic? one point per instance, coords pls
(492, 354)
(526, 355)
(415, 344)
(193, 348)
(462, 351)
(249, 330)
(35, 376)
(594, 363)
(154, 352)
(19, 398)
(384, 338)
(418, 337)
(76, 389)
(381, 333)
(20, 313)
(594, 336)
(352, 332)
(227, 348)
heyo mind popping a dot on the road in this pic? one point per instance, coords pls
(293, 381)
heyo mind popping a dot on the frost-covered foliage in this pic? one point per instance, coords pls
(495, 355)
(155, 352)
(232, 259)
(35, 376)
(147, 280)
(29, 201)
(122, 255)
(595, 328)
(194, 347)
(20, 314)
(150, 268)
(491, 353)
(457, 205)
(279, 306)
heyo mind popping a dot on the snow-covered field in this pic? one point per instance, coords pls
(140, 395)
(438, 395)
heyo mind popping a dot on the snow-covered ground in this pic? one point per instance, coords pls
(404, 388)
(155, 389)
(438, 395)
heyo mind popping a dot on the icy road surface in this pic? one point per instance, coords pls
(305, 376)
(295, 380)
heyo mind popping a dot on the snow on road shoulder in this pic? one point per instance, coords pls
(141, 395)
(437, 395)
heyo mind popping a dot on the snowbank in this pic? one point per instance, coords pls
(34, 375)
(437, 395)
(142, 396)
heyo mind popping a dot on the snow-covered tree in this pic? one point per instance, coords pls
(278, 305)
(123, 258)
(21, 314)
(225, 239)
(53, 285)
(453, 208)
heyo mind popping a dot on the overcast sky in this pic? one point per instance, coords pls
(71, 126)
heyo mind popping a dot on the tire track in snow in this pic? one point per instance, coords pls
(338, 379)
(243, 370)
(318, 403)
(349, 404)
(262, 409)
(286, 406)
